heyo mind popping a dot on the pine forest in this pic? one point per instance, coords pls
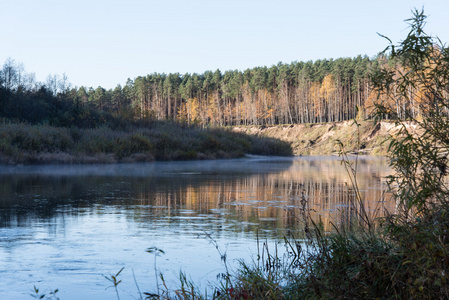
(299, 92)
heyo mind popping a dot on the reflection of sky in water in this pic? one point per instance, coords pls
(75, 257)
(66, 226)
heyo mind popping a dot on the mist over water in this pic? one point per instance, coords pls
(65, 226)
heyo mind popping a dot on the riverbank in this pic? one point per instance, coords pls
(321, 139)
(40, 144)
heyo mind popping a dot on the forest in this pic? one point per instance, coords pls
(325, 90)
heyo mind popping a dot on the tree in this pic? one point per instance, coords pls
(192, 110)
(419, 157)
(8, 74)
(99, 97)
(327, 91)
(52, 84)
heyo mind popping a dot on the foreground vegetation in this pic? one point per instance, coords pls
(25, 144)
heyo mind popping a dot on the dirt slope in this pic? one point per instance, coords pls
(311, 139)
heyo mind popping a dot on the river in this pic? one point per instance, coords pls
(68, 227)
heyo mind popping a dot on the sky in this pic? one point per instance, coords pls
(103, 43)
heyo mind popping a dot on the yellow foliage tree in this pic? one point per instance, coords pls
(328, 89)
(182, 113)
(315, 96)
(212, 110)
(192, 107)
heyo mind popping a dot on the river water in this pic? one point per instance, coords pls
(66, 227)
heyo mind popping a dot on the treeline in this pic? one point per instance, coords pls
(320, 91)
(299, 92)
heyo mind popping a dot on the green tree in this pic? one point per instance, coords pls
(99, 97)
(419, 157)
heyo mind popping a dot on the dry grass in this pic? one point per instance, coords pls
(25, 144)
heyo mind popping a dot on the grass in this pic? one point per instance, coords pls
(26, 144)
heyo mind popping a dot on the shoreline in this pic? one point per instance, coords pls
(23, 144)
(163, 141)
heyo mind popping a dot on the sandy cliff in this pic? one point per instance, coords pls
(369, 137)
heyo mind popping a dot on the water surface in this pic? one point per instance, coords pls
(68, 226)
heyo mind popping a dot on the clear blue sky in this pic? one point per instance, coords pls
(102, 43)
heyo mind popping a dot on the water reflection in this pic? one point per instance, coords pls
(75, 220)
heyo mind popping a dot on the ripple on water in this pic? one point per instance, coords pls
(68, 230)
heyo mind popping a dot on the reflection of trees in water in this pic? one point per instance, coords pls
(267, 200)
